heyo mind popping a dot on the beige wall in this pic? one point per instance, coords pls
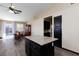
(37, 27)
(0, 28)
(70, 25)
(71, 29)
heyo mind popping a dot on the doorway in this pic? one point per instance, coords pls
(58, 31)
(48, 26)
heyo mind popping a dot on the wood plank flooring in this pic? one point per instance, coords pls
(11, 47)
(62, 52)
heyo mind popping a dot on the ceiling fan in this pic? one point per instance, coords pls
(12, 9)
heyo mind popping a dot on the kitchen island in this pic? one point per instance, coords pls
(39, 46)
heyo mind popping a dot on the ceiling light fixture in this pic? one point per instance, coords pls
(12, 9)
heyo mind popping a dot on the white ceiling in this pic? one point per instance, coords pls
(29, 10)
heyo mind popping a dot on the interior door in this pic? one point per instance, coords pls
(58, 30)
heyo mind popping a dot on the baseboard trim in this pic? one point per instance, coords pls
(71, 51)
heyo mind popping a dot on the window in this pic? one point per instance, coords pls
(19, 27)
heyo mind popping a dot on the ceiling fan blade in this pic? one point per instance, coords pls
(16, 12)
(4, 6)
(12, 9)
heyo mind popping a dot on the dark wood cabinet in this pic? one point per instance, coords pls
(34, 49)
(28, 30)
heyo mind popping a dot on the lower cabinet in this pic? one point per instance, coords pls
(34, 49)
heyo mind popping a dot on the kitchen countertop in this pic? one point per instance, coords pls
(41, 40)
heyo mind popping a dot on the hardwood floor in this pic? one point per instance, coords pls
(11, 47)
(62, 52)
